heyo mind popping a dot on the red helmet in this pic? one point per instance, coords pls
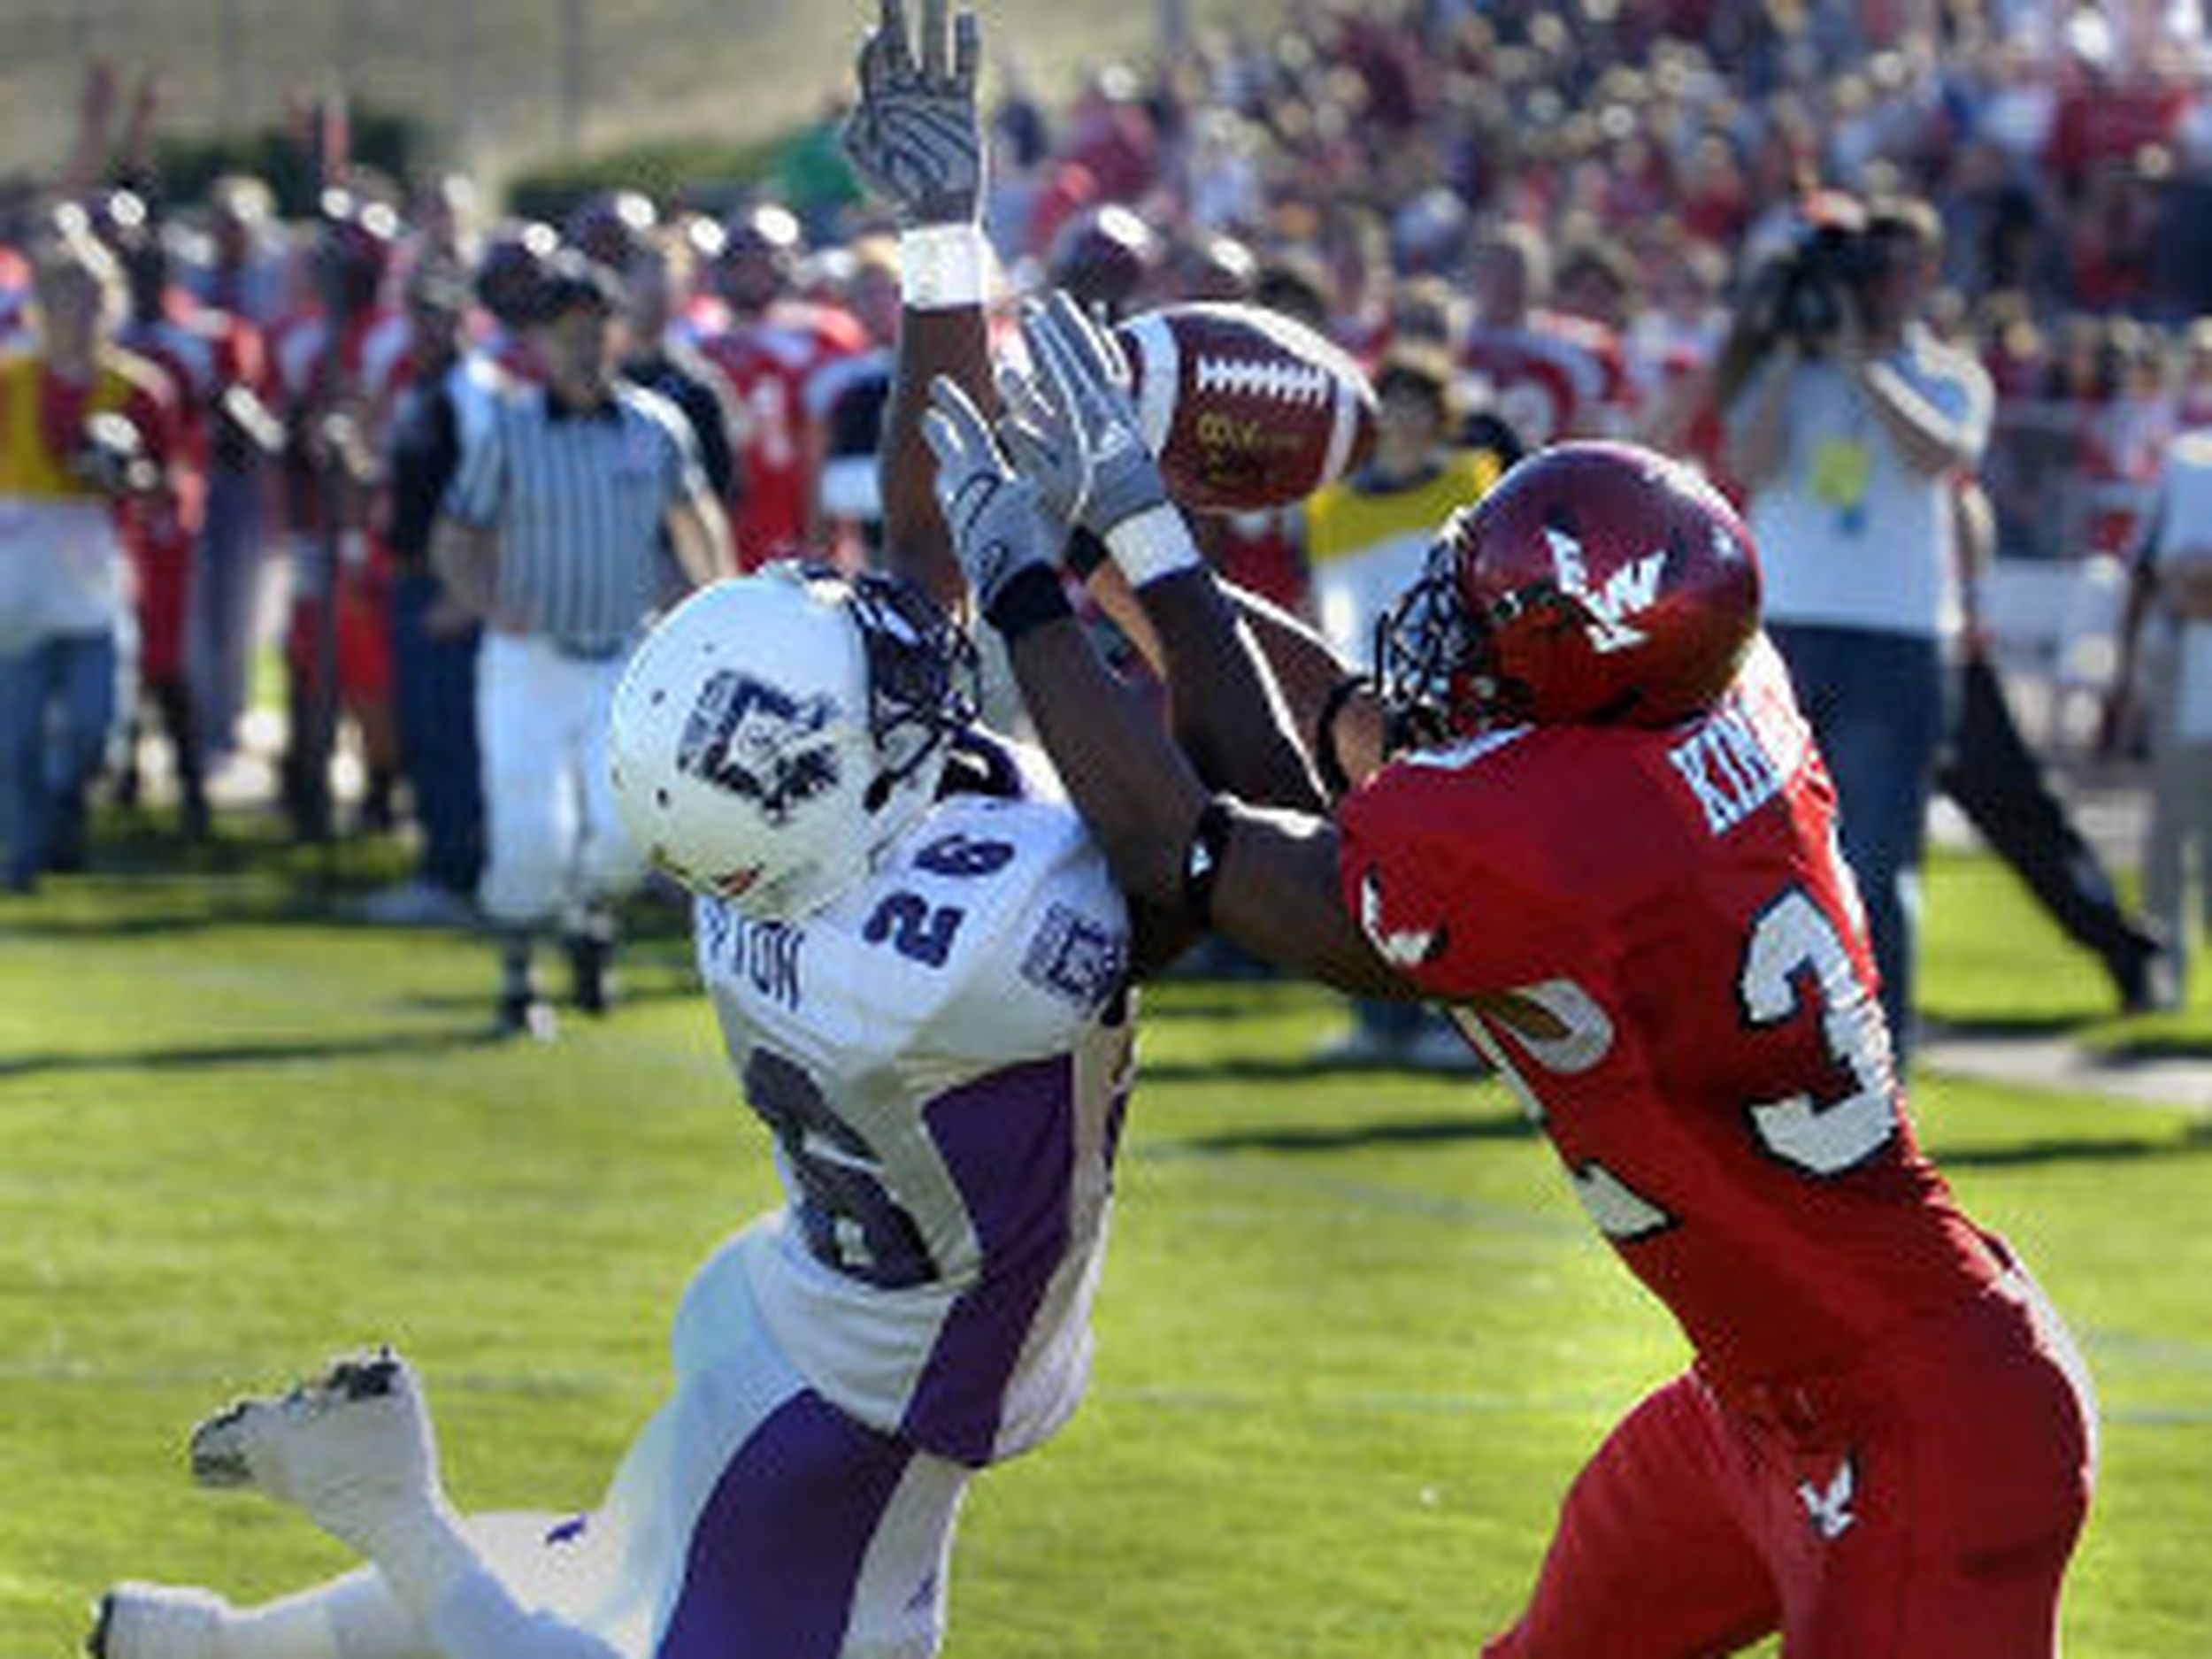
(760, 249)
(610, 229)
(352, 251)
(1599, 583)
(1103, 255)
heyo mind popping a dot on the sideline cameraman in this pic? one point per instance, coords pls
(1847, 429)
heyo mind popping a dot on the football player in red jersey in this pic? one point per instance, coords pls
(774, 344)
(1600, 832)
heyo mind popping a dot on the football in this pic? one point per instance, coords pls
(1245, 408)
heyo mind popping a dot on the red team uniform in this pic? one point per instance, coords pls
(370, 364)
(1885, 1446)
(1558, 377)
(768, 362)
(162, 532)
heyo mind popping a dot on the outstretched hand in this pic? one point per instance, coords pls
(915, 134)
(999, 523)
(1070, 424)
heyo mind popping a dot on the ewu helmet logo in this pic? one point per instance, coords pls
(753, 739)
(1628, 591)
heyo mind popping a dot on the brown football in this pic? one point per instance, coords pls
(1246, 409)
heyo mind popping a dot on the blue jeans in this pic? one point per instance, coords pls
(436, 710)
(1880, 706)
(56, 710)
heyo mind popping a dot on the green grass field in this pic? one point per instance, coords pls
(1355, 1336)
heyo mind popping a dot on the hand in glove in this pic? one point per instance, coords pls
(1001, 530)
(915, 136)
(1070, 424)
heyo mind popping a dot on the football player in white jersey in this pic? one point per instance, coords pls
(922, 967)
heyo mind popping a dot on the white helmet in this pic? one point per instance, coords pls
(775, 731)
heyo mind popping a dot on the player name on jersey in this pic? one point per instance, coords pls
(764, 954)
(1736, 762)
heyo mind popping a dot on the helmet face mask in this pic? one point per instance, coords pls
(1425, 645)
(1599, 584)
(775, 731)
(922, 676)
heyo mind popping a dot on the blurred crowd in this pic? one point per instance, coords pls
(1532, 221)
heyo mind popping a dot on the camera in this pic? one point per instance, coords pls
(1804, 293)
(1824, 273)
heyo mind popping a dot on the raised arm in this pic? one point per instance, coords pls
(1264, 877)
(1074, 431)
(915, 137)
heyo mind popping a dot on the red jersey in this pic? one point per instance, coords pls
(161, 529)
(768, 364)
(308, 381)
(1559, 376)
(1262, 552)
(199, 360)
(1654, 935)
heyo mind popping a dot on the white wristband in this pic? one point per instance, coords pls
(1154, 544)
(943, 267)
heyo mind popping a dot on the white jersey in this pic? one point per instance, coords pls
(944, 1054)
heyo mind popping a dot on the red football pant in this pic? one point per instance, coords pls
(1921, 1506)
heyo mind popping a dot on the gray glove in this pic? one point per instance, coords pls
(1000, 528)
(915, 134)
(1070, 424)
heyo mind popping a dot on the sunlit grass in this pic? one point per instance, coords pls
(1354, 1339)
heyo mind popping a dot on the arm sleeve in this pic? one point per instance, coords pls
(479, 489)
(683, 480)
(1455, 882)
(710, 429)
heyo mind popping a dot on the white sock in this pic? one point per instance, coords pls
(356, 1617)
(478, 1617)
(430, 1596)
(437, 1572)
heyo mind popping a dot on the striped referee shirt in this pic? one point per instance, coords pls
(577, 500)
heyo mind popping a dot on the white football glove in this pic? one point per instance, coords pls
(915, 134)
(998, 524)
(1070, 423)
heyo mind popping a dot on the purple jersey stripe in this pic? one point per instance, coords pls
(777, 1552)
(1007, 1140)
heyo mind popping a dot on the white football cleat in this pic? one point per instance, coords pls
(352, 1448)
(156, 1621)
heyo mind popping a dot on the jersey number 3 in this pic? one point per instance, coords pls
(1834, 1130)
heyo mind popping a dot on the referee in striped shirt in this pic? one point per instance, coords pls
(551, 530)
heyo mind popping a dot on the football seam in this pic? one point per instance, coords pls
(1267, 382)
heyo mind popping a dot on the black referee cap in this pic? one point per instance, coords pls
(572, 282)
